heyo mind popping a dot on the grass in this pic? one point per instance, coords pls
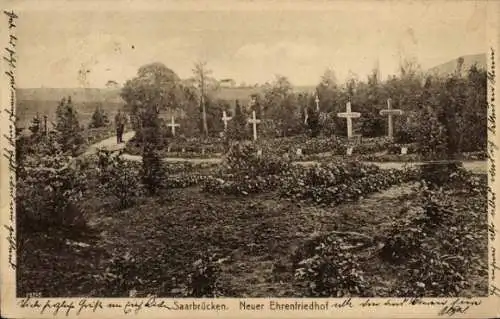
(259, 235)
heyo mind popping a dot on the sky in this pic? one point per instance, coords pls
(249, 44)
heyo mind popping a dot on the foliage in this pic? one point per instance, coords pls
(99, 118)
(67, 127)
(117, 178)
(245, 172)
(434, 245)
(49, 192)
(281, 106)
(152, 172)
(204, 278)
(331, 271)
(340, 182)
(237, 127)
(157, 88)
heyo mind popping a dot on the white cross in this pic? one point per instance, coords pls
(173, 125)
(317, 102)
(254, 122)
(226, 119)
(349, 116)
(390, 112)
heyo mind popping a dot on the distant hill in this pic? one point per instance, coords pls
(451, 66)
(112, 95)
(31, 101)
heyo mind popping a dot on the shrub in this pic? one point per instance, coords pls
(153, 174)
(245, 172)
(438, 174)
(67, 127)
(204, 279)
(99, 118)
(329, 270)
(47, 196)
(339, 182)
(118, 178)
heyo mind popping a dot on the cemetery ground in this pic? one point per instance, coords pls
(383, 236)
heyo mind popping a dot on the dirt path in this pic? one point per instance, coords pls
(479, 167)
(110, 143)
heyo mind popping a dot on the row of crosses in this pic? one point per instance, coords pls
(348, 115)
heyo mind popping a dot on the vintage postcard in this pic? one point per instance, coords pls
(222, 159)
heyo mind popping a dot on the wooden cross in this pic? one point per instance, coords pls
(254, 122)
(172, 125)
(226, 119)
(349, 116)
(390, 112)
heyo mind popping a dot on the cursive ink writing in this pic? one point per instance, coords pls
(9, 151)
(492, 148)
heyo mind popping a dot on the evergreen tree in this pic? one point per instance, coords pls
(153, 173)
(68, 130)
(237, 126)
(36, 126)
(99, 118)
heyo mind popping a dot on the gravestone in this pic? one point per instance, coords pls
(254, 121)
(390, 112)
(349, 151)
(173, 125)
(259, 152)
(169, 148)
(183, 150)
(404, 150)
(225, 119)
(299, 152)
(348, 115)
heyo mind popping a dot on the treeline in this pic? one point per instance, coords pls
(431, 104)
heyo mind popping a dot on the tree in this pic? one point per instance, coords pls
(205, 85)
(281, 106)
(155, 87)
(99, 118)
(153, 173)
(68, 130)
(36, 126)
(237, 126)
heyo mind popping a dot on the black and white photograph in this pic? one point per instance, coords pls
(332, 151)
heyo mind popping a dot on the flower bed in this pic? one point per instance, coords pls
(340, 182)
(247, 173)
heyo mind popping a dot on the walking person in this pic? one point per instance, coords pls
(120, 126)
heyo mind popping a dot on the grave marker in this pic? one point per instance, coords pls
(173, 125)
(349, 151)
(226, 119)
(254, 121)
(348, 115)
(299, 152)
(390, 112)
(259, 152)
(317, 102)
(404, 150)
